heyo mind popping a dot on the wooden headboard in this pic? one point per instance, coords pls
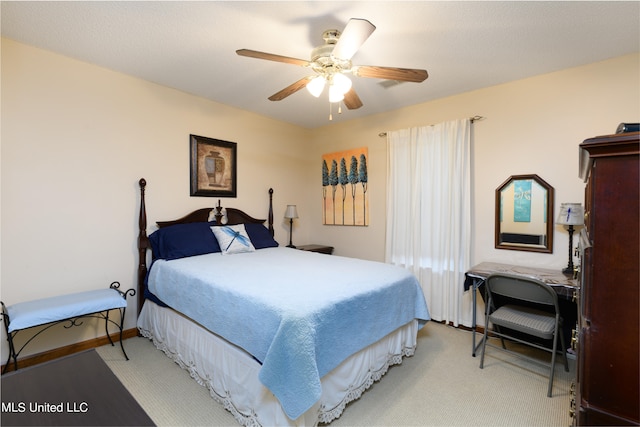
(234, 216)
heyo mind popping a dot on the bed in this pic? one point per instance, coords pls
(279, 336)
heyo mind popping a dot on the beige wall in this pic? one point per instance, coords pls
(531, 126)
(76, 138)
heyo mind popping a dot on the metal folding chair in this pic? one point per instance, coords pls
(524, 310)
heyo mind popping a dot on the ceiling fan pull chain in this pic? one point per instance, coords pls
(330, 115)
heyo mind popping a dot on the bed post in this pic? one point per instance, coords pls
(143, 244)
(271, 212)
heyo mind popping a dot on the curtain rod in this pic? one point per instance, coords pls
(473, 119)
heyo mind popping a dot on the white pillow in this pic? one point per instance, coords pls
(233, 239)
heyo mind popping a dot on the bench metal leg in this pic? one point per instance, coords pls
(120, 327)
(12, 354)
(122, 312)
(106, 327)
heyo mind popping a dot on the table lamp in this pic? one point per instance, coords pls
(570, 214)
(290, 214)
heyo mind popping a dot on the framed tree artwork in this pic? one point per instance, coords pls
(213, 167)
(344, 188)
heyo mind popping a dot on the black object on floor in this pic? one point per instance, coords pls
(77, 390)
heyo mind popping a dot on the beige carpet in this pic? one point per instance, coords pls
(441, 385)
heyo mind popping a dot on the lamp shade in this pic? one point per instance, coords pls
(570, 214)
(316, 86)
(291, 212)
(341, 82)
(334, 94)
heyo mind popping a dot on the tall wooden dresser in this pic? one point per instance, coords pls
(607, 388)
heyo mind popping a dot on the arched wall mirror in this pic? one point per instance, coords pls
(524, 214)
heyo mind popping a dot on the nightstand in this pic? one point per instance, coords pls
(317, 248)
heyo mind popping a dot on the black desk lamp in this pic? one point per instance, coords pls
(570, 214)
(291, 213)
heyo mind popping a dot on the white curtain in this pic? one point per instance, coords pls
(428, 211)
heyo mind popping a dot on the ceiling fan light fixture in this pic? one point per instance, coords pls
(332, 61)
(341, 82)
(316, 86)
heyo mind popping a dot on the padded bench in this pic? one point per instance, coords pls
(71, 308)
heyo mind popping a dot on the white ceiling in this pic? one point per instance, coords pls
(191, 46)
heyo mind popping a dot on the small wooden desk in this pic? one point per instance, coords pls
(564, 286)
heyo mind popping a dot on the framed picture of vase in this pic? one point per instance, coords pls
(213, 167)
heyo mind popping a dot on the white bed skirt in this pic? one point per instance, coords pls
(231, 374)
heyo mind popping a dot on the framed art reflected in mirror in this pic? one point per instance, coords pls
(524, 214)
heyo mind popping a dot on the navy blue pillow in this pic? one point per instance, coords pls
(260, 236)
(183, 240)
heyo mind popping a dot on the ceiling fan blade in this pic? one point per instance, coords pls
(391, 73)
(352, 100)
(354, 35)
(271, 57)
(290, 90)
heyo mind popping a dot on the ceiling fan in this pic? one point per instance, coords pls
(332, 60)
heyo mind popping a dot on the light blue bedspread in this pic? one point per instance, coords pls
(299, 313)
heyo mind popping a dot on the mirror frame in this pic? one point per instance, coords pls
(548, 246)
